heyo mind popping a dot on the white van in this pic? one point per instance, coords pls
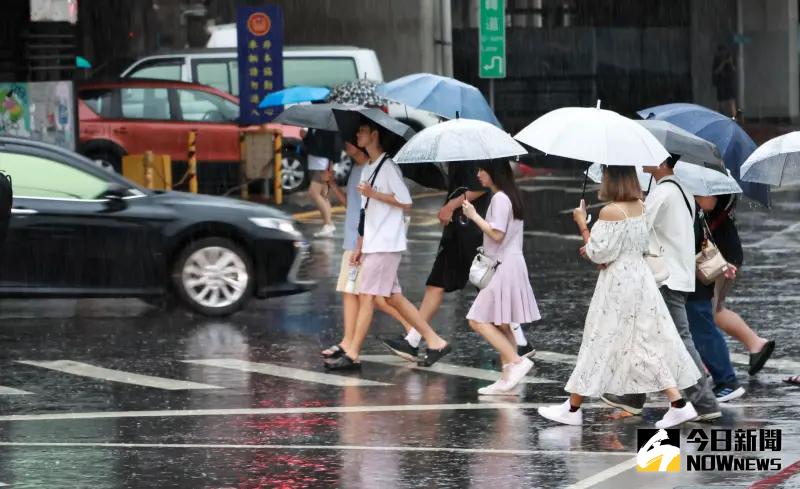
(302, 65)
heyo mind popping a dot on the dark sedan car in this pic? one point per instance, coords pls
(78, 230)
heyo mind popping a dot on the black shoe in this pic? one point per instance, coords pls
(401, 348)
(631, 403)
(342, 362)
(728, 392)
(757, 360)
(526, 351)
(433, 356)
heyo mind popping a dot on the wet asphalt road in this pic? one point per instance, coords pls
(114, 393)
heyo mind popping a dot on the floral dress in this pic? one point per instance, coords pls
(630, 344)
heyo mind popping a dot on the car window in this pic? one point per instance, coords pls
(160, 70)
(34, 176)
(197, 105)
(145, 103)
(234, 67)
(98, 100)
(326, 72)
(214, 73)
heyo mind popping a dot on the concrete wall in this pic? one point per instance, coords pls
(402, 32)
(770, 59)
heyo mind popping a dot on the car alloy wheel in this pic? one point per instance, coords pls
(293, 173)
(215, 277)
(341, 169)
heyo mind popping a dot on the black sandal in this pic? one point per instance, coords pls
(793, 380)
(342, 362)
(433, 356)
(335, 351)
(757, 360)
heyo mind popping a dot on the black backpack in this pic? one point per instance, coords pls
(6, 197)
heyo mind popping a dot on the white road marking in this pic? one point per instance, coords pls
(167, 413)
(10, 391)
(551, 356)
(489, 451)
(286, 372)
(449, 369)
(764, 243)
(604, 475)
(775, 363)
(87, 370)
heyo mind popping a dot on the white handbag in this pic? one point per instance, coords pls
(655, 260)
(482, 269)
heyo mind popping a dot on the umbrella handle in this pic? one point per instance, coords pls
(585, 179)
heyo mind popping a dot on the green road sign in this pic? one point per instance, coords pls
(492, 38)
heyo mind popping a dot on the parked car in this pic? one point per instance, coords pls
(327, 66)
(132, 116)
(77, 230)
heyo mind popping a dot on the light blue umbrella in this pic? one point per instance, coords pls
(82, 63)
(294, 95)
(733, 143)
(444, 96)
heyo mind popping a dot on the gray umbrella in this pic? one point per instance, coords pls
(348, 122)
(692, 149)
(313, 116)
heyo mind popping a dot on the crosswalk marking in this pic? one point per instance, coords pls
(449, 369)
(551, 356)
(286, 372)
(86, 370)
(10, 391)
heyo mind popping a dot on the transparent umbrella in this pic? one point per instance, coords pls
(776, 162)
(697, 179)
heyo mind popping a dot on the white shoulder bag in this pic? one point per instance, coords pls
(482, 269)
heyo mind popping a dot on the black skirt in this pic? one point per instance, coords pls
(457, 248)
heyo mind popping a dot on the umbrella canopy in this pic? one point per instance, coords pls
(459, 140)
(775, 162)
(441, 95)
(732, 142)
(357, 92)
(697, 179)
(82, 63)
(313, 116)
(349, 121)
(293, 95)
(594, 135)
(692, 149)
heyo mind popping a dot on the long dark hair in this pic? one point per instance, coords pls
(503, 178)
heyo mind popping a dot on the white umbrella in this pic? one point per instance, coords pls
(775, 162)
(697, 179)
(594, 135)
(459, 140)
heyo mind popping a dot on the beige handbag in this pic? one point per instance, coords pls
(710, 262)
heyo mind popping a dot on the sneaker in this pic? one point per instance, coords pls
(757, 360)
(631, 403)
(433, 356)
(526, 351)
(708, 416)
(561, 413)
(729, 392)
(499, 388)
(518, 371)
(326, 231)
(675, 416)
(401, 348)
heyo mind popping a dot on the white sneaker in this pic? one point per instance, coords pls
(561, 413)
(326, 231)
(518, 371)
(499, 388)
(675, 416)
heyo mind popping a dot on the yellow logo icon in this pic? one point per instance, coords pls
(659, 451)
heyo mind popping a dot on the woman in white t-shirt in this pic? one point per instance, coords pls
(322, 148)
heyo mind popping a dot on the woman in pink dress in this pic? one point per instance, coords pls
(508, 298)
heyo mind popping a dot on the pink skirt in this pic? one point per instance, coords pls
(509, 296)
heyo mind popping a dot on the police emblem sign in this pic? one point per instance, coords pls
(260, 54)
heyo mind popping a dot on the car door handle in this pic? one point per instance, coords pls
(22, 211)
(121, 130)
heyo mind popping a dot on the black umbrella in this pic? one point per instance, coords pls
(314, 116)
(395, 131)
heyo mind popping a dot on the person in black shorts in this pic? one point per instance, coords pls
(460, 241)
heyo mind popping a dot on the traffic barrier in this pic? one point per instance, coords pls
(152, 171)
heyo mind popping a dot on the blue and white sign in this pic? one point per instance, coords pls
(260, 51)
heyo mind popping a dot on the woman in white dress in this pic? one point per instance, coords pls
(630, 344)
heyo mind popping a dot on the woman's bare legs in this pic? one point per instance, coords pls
(733, 325)
(499, 341)
(382, 305)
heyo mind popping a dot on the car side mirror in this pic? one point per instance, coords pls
(114, 195)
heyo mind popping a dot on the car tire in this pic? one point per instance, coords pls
(341, 169)
(107, 157)
(294, 172)
(205, 288)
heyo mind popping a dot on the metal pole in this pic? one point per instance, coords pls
(278, 180)
(491, 93)
(192, 160)
(148, 169)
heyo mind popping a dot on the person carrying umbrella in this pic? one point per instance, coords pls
(322, 149)
(380, 247)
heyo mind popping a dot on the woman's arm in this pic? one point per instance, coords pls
(485, 227)
(368, 191)
(447, 210)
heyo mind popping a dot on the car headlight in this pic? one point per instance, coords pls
(274, 223)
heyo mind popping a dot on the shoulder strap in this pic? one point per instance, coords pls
(374, 176)
(685, 200)
(620, 208)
